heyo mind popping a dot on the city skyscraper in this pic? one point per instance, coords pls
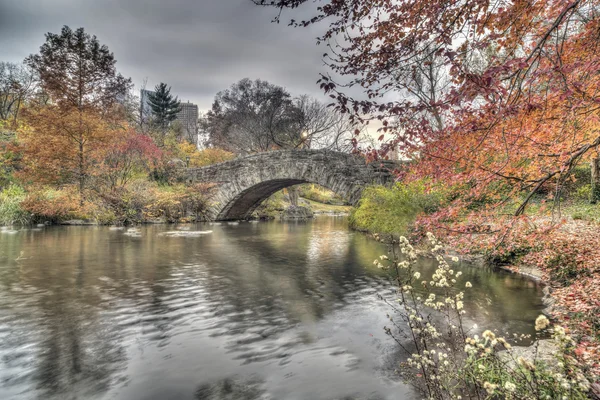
(145, 109)
(188, 117)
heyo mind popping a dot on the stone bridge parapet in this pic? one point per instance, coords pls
(243, 183)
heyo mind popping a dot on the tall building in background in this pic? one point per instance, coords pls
(145, 110)
(188, 117)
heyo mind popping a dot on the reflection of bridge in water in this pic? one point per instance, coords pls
(243, 183)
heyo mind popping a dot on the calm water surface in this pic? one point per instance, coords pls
(250, 311)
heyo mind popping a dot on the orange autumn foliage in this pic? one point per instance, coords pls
(202, 158)
(62, 147)
(500, 97)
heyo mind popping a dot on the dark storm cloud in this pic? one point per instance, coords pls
(197, 46)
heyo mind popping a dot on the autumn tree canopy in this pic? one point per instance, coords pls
(502, 96)
(68, 136)
(129, 152)
(75, 70)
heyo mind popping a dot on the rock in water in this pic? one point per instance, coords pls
(296, 213)
(78, 222)
(184, 233)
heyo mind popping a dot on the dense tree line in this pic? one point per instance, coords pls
(71, 145)
(69, 122)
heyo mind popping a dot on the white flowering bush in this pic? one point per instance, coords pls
(446, 362)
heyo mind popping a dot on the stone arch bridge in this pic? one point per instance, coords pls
(243, 183)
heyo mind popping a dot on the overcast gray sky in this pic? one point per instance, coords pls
(198, 47)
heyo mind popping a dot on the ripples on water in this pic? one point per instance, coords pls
(249, 311)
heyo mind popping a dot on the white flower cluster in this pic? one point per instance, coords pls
(431, 331)
(430, 359)
(510, 387)
(444, 275)
(561, 337)
(379, 264)
(541, 323)
(490, 387)
(407, 249)
(484, 345)
(576, 379)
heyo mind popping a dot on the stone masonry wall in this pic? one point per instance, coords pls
(243, 183)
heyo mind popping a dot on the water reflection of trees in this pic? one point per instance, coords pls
(234, 388)
(78, 295)
(312, 268)
(74, 348)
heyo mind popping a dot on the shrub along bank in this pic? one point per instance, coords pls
(135, 182)
(563, 252)
(393, 210)
(448, 358)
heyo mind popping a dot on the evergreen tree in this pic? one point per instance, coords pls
(163, 106)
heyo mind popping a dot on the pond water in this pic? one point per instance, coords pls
(267, 310)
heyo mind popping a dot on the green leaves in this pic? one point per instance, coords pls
(11, 211)
(392, 210)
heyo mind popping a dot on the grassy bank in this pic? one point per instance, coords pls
(318, 199)
(325, 208)
(140, 201)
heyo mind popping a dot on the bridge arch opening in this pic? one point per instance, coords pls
(243, 205)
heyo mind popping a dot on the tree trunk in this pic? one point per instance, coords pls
(81, 157)
(293, 193)
(595, 192)
(81, 174)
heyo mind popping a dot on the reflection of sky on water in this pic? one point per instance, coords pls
(269, 310)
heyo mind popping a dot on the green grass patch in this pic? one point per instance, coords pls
(392, 210)
(316, 206)
(272, 207)
(582, 210)
(319, 194)
(11, 212)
